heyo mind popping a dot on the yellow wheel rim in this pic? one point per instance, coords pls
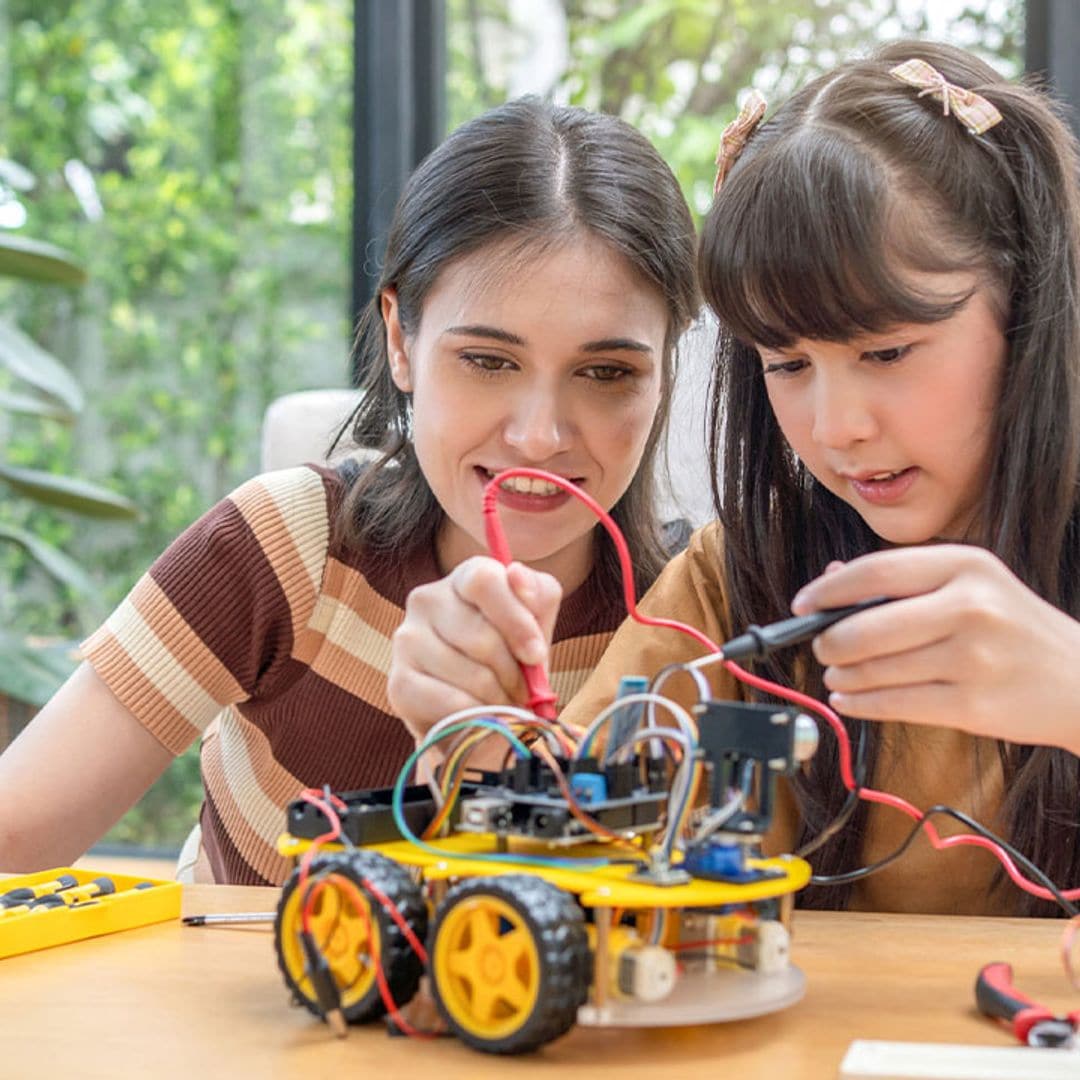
(343, 937)
(486, 967)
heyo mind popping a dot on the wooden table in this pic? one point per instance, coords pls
(170, 1000)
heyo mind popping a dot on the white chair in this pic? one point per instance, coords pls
(298, 427)
(683, 468)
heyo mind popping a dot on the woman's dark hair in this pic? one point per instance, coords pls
(529, 176)
(854, 179)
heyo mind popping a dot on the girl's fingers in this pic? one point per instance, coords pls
(901, 572)
(935, 663)
(932, 703)
(887, 631)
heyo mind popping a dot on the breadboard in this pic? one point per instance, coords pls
(868, 1059)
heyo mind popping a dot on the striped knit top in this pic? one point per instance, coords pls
(260, 632)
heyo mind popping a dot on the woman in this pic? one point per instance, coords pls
(538, 273)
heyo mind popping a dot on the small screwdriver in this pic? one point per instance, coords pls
(101, 886)
(759, 641)
(232, 918)
(26, 893)
(42, 903)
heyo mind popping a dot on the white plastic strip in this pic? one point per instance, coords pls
(868, 1059)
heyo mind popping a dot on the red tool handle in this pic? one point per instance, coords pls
(997, 997)
(541, 699)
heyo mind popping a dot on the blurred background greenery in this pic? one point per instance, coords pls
(194, 158)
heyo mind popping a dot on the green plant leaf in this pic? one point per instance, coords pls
(69, 493)
(26, 359)
(31, 406)
(62, 567)
(31, 672)
(34, 260)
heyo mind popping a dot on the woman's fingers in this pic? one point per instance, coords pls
(464, 651)
(425, 701)
(464, 638)
(445, 635)
(513, 600)
(540, 592)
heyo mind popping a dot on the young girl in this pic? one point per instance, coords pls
(538, 273)
(893, 260)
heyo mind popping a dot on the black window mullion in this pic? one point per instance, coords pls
(1052, 49)
(399, 110)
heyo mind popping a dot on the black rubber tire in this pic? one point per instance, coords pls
(557, 926)
(402, 967)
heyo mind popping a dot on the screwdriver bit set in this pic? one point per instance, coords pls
(53, 907)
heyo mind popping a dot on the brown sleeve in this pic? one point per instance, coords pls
(691, 590)
(217, 617)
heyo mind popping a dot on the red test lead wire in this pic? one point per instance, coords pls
(542, 700)
(885, 798)
(536, 677)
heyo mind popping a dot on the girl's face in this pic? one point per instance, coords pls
(554, 363)
(899, 424)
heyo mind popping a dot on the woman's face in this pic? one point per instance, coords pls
(554, 363)
(899, 424)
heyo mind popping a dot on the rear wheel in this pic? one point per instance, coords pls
(351, 942)
(510, 962)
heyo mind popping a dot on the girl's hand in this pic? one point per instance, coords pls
(463, 638)
(966, 645)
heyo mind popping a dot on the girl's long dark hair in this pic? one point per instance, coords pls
(853, 179)
(525, 177)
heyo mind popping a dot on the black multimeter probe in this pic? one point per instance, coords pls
(759, 641)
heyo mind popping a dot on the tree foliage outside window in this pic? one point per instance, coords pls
(195, 158)
(675, 68)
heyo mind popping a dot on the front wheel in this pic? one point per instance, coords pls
(510, 962)
(351, 941)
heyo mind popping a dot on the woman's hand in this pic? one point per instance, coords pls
(966, 645)
(464, 637)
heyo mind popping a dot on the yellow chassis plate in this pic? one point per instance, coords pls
(595, 886)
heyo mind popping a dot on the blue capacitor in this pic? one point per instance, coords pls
(715, 861)
(589, 787)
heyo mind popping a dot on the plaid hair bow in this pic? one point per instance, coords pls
(971, 109)
(734, 137)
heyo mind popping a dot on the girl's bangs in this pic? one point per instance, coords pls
(803, 242)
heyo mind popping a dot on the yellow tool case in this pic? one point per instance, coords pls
(133, 901)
